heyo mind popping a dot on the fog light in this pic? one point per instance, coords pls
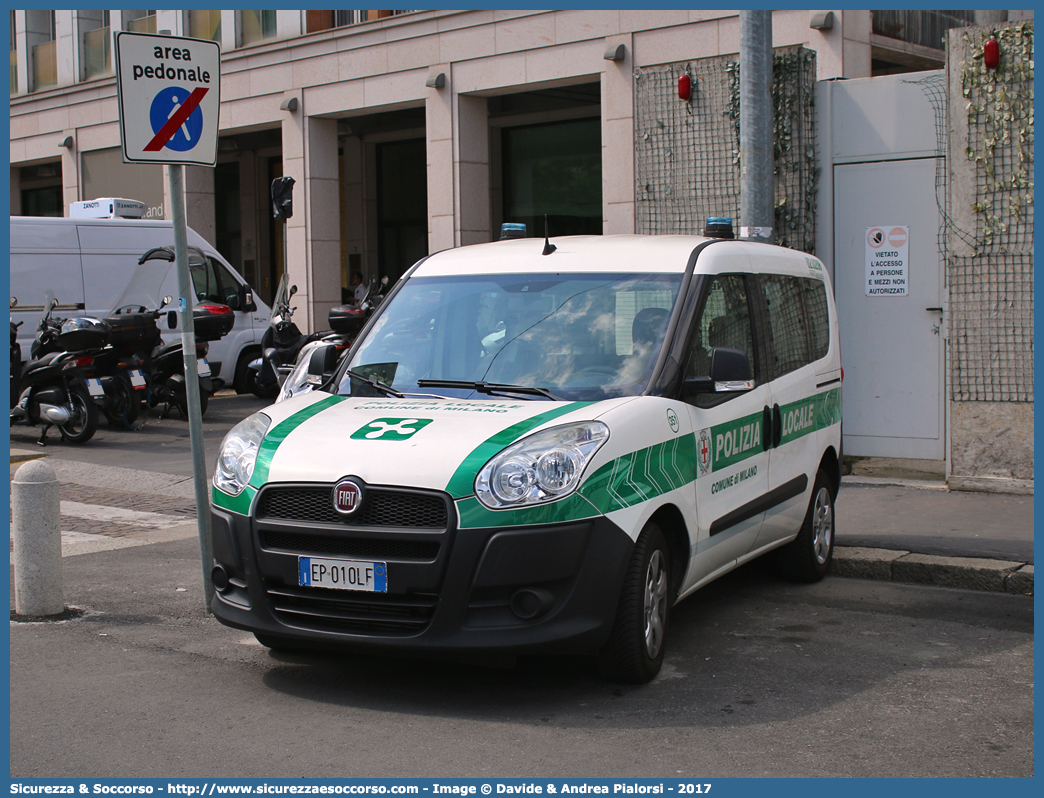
(531, 602)
(219, 577)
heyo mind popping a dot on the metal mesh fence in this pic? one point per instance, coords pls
(991, 289)
(687, 153)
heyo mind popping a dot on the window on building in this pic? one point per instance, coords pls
(41, 189)
(205, 25)
(97, 44)
(257, 26)
(40, 27)
(140, 21)
(554, 170)
(402, 202)
(325, 20)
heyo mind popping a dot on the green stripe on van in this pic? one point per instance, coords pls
(474, 515)
(809, 415)
(235, 504)
(462, 483)
(642, 475)
(279, 433)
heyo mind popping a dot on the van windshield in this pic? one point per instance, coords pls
(576, 337)
(145, 287)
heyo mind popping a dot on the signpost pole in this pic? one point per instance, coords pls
(188, 344)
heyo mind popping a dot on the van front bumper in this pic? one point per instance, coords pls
(550, 588)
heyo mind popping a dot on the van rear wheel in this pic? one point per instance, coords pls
(807, 557)
(634, 653)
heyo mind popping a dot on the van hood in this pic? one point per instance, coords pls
(438, 444)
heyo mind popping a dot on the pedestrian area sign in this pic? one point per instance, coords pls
(169, 96)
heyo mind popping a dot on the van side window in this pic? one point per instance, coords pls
(786, 316)
(723, 320)
(214, 283)
(818, 316)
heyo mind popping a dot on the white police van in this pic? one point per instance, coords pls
(537, 447)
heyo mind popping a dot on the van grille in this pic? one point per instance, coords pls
(351, 612)
(381, 508)
(379, 549)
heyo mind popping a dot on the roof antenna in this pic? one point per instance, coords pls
(548, 246)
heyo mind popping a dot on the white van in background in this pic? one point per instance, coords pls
(88, 262)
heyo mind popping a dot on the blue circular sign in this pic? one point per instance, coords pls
(167, 103)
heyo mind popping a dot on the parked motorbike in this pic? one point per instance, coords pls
(136, 334)
(57, 386)
(321, 356)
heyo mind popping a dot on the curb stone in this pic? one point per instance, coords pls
(972, 573)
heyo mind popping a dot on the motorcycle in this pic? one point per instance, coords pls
(321, 356)
(137, 338)
(281, 344)
(57, 386)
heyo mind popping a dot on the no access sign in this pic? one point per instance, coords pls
(169, 94)
(887, 260)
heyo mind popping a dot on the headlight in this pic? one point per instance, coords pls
(238, 454)
(541, 468)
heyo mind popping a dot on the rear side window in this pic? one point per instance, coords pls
(786, 322)
(818, 316)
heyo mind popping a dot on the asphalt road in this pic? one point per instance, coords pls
(762, 678)
(161, 444)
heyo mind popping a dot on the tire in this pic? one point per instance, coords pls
(125, 407)
(262, 392)
(204, 400)
(245, 377)
(634, 653)
(807, 557)
(82, 426)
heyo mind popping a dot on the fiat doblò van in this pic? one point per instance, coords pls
(542, 452)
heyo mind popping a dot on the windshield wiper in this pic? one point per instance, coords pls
(488, 387)
(387, 390)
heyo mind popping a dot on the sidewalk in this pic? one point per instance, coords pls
(895, 521)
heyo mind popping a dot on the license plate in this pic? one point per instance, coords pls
(342, 574)
(202, 367)
(137, 379)
(94, 387)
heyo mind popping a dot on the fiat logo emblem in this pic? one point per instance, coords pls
(347, 496)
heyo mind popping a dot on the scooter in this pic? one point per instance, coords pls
(346, 323)
(280, 345)
(163, 364)
(56, 387)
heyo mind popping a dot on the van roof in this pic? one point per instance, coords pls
(649, 254)
(609, 253)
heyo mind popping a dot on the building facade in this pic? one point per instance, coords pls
(413, 131)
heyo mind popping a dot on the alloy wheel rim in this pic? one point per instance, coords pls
(655, 604)
(822, 526)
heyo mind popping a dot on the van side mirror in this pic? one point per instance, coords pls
(246, 300)
(730, 373)
(172, 319)
(321, 363)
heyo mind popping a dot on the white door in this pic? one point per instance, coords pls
(892, 346)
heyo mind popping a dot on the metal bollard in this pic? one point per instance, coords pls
(36, 527)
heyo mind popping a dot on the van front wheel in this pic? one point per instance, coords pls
(807, 557)
(634, 653)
